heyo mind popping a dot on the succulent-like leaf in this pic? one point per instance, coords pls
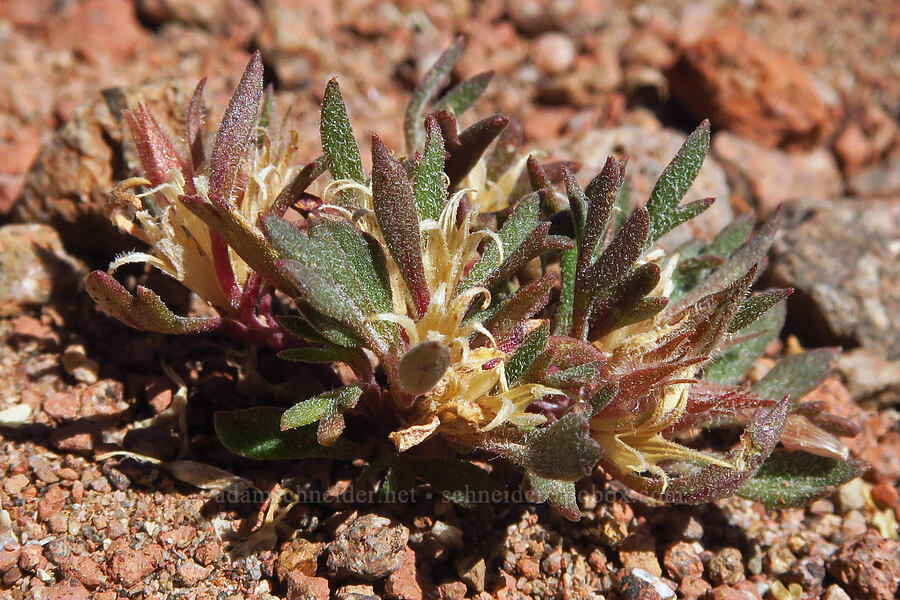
(294, 191)
(145, 310)
(737, 359)
(158, 155)
(531, 347)
(395, 209)
(424, 92)
(562, 450)
(466, 148)
(236, 131)
(673, 184)
(256, 433)
(756, 306)
(354, 358)
(790, 478)
(327, 408)
(520, 307)
(464, 94)
(714, 481)
(193, 126)
(559, 494)
(732, 236)
(338, 143)
(431, 193)
(798, 374)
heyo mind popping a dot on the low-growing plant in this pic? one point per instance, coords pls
(481, 301)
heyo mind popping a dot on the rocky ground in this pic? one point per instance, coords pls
(804, 98)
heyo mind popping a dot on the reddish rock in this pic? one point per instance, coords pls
(30, 557)
(189, 574)
(528, 568)
(235, 20)
(452, 590)
(300, 555)
(371, 547)
(302, 587)
(693, 588)
(33, 267)
(768, 178)
(62, 406)
(726, 566)
(682, 561)
(68, 589)
(51, 502)
(128, 566)
(638, 551)
(19, 145)
(77, 437)
(868, 567)
(746, 87)
(403, 583)
(85, 570)
(208, 552)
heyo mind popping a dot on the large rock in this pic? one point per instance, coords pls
(33, 267)
(843, 259)
(68, 182)
(767, 177)
(649, 149)
(742, 85)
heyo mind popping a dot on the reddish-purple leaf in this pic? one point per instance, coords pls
(395, 209)
(520, 307)
(467, 147)
(194, 127)
(157, 153)
(236, 132)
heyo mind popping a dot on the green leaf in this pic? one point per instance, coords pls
(562, 318)
(673, 184)
(424, 92)
(797, 375)
(731, 366)
(431, 193)
(732, 237)
(562, 450)
(790, 479)
(327, 404)
(364, 256)
(560, 494)
(603, 397)
(352, 357)
(755, 307)
(145, 310)
(256, 433)
(395, 210)
(524, 219)
(464, 94)
(301, 328)
(530, 348)
(236, 132)
(579, 375)
(338, 143)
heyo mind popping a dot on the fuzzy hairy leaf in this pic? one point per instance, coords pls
(560, 494)
(431, 193)
(755, 307)
(425, 91)
(294, 191)
(562, 450)
(520, 307)
(663, 205)
(466, 148)
(797, 375)
(145, 310)
(562, 318)
(158, 155)
(236, 132)
(256, 433)
(395, 209)
(193, 126)
(737, 359)
(732, 236)
(328, 354)
(524, 219)
(327, 404)
(530, 348)
(338, 143)
(789, 478)
(464, 94)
